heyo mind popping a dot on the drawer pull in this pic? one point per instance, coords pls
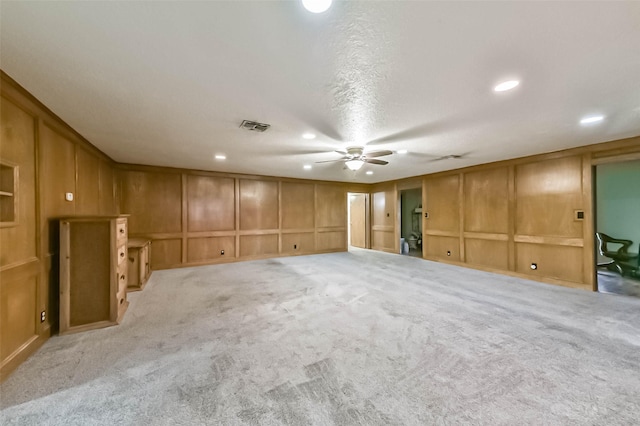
(122, 254)
(122, 230)
(122, 277)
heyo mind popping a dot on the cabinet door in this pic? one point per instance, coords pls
(134, 267)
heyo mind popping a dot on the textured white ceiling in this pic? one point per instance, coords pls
(168, 83)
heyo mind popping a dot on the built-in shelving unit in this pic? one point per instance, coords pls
(8, 193)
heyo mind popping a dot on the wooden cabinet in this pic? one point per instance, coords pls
(139, 268)
(93, 272)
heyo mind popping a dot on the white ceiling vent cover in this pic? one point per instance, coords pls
(254, 126)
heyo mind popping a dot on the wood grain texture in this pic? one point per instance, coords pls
(87, 183)
(334, 240)
(384, 219)
(331, 206)
(154, 201)
(17, 129)
(298, 243)
(486, 201)
(107, 193)
(210, 203)
(17, 316)
(438, 247)
(258, 245)
(210, 248)
(383, 240)
(547, 194)
(166, 253)
(358, 225)
(258, 205)
(57, 162)
(559, 262)
(489, 253)
(442, 203)
(298, 208)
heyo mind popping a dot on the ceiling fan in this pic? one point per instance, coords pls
(355, 157)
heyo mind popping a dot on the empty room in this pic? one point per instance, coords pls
(316, 212)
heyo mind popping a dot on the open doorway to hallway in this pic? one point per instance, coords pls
(358, 220)
(411, 222)
(617, 225)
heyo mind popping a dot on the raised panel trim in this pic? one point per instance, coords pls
(259, 232)
(298, 231)
(554, 241)
(332, 229)
(383, 228)
(486, 236)
(201, 234)
(438, 233)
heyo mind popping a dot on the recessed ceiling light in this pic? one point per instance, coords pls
(592, 119)
(316, 6)
(506, 85)
(221, 157)
(309, 136)
(402, 151)
(307, 167)
(369, 172)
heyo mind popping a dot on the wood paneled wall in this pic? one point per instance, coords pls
(519, 217)
(201, 217)
(385, 218)
(52, 160)
(500, 217)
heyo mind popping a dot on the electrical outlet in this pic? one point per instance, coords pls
(426, 215)
(222, 252)
(68, 196)
(43, 316)
(534, 266)
(448, 253)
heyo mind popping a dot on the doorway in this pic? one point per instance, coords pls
(617, 203)
(358, 220)
(411, 222)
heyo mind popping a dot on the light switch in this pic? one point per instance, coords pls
(68, 196)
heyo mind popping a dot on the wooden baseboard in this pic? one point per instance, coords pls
(546, 280)
(19, 356)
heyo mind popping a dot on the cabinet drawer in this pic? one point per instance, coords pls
(122, 254)
(121, 229)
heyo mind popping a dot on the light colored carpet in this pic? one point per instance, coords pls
(359, 338)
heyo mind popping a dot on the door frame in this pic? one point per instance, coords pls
(367, 218)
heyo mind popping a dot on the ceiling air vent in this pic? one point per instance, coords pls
(254, 126)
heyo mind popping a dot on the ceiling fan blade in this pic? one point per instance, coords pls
(378, 153)
(451, 157)
(341, 151)
(373, 161)
(333, 161)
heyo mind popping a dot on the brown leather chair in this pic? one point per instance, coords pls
(621, 259)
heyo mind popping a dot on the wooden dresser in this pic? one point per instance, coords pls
(93, 272)
(139, 258)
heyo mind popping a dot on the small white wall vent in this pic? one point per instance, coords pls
(254, 126)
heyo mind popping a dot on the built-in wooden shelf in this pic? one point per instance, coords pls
(8, 189)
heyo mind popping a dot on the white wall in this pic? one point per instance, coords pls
(618, 201)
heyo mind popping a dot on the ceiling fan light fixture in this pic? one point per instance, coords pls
(354, 164)
(316, 6)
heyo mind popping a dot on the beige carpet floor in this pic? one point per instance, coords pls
(358, 338)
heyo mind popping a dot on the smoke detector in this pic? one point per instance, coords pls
(254, 126)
